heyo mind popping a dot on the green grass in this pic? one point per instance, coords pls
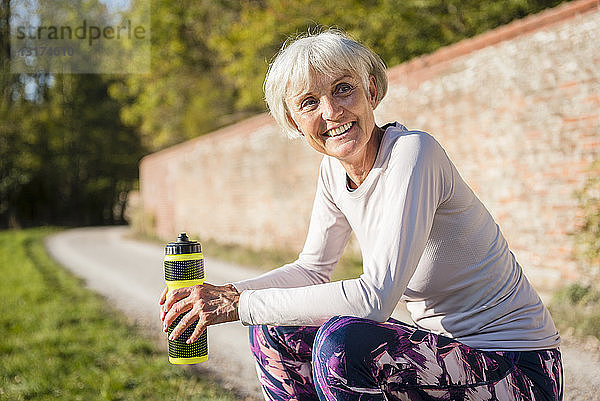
(60, 341)
(577, 306)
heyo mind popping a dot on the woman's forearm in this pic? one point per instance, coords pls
(287, 276)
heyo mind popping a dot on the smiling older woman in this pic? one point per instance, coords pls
(481, 330)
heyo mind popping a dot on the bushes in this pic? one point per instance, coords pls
(577, 305)
(587, 237)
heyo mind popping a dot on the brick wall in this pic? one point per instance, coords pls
(517, 109)
(245, 184)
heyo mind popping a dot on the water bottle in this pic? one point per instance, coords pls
(184, 267)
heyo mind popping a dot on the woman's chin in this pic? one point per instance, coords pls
(341, 149)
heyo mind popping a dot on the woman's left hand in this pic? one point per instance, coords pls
(206, 303)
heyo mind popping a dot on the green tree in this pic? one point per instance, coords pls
(185, 94)
(15, 158)
(65, 156)
(252, 40)
(86, 157)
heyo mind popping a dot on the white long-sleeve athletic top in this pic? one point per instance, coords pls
(425, 237)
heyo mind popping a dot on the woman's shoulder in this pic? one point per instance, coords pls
(405, 144)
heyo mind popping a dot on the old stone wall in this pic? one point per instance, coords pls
(517, 109)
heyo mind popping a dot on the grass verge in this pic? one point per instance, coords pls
(60, 341)
(577, 307)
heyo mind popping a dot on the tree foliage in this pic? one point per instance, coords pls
(65, 156)
(185, 95)
(69, 159)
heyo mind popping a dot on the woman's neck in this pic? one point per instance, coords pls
(358, 170)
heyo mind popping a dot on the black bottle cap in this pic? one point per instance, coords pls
(182, 245)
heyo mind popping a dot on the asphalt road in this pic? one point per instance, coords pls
(129, 274)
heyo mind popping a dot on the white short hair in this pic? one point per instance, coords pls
(330, 53)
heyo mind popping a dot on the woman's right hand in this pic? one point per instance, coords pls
(206, 303)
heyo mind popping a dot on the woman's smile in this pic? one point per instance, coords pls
(340, 130)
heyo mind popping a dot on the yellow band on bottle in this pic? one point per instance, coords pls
(173, 285)
(186, 361)
(184, 256)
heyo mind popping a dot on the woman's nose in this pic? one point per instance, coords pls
(330, 109)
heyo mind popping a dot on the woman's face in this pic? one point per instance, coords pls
(335, 114)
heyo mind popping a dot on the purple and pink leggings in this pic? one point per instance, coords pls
(357, 359)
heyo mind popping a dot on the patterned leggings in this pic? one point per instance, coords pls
(356, 359)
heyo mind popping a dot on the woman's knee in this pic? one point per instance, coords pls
(342, 355)
(356, 338)
(340, 334)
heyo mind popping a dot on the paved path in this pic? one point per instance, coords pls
(129, 273)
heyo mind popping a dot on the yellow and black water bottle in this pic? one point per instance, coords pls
(184, 267)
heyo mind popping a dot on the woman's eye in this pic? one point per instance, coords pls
(343, 88)
(308, 102)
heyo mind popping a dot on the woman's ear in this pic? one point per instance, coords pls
(373, 95)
